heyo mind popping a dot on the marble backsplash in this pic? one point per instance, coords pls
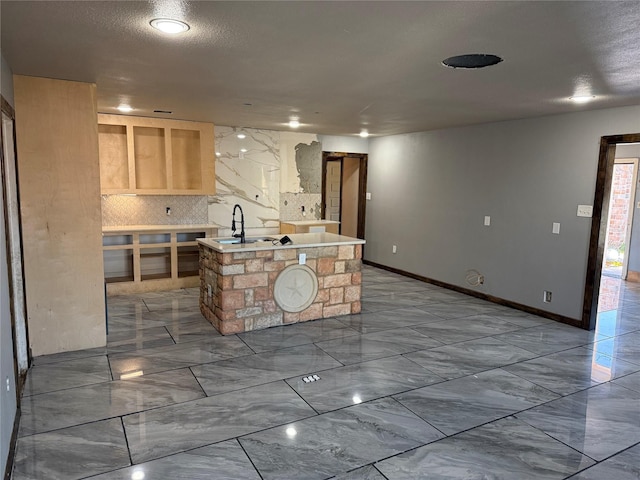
(291, 206)
(247, 173)
(151, 210)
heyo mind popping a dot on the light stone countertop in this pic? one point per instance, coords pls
(308, 222)
(154, 228)
(299, 240)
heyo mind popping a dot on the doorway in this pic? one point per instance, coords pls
(620, 218)
(599, 223)
(344, 184)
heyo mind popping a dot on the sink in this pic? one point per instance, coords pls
(233, 240)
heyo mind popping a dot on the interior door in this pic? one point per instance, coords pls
(333, 190)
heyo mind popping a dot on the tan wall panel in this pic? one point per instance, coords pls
(57, 145)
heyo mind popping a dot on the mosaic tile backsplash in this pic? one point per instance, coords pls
(291, 206)
(152, 210)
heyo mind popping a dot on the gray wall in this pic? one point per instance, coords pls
(7, 398)
(633, 151)
(431, 191)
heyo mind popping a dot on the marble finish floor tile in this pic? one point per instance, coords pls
(374, 290)
(297, 334)
(466, 358)
(361, 348)
(623, 466)
(502, 450)
(115, 309)
(69, 374)
(176, 428)
(467, 402)
(371, 322)
(178, 356)
(221, 461)
(175, 303)
(463, 329)
(599, 422)
(392, 301)
(624, 347)
(160, 318)
(631, 382)
(572, 370)
(72, 453)
(517, 317)
(66, 356)
(132, 335)
(550, 338)
(461, 309)
(267, 367)
(335, 442)
(618, 322)
(50, 411)
(188, 332)
(354, 384)
(365, 473)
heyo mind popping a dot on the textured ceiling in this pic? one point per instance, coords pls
(339, 66)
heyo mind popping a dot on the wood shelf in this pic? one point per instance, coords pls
(144, 266)
(155, 156)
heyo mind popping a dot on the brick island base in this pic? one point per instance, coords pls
(236, 288)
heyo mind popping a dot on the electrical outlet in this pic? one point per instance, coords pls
(8, 385)
(209, 291)
(547, 296)
(302, 259)
(394, 249)
(168, 210)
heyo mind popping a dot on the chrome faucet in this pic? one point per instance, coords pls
(233, 224)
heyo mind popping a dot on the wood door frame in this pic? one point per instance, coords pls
(362, 185)
(606, 160)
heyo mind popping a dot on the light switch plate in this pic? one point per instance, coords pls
(368, 195)
(585, 210)
(487, 220)
(556, 228)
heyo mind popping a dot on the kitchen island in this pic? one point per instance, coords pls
(250, 286)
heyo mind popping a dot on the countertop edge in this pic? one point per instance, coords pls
(300, 240)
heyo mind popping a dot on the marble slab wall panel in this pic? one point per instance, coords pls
(247, 173)
(291, 206)
(151, 210)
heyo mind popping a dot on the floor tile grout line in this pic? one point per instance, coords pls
(237, 439)
(126, 439)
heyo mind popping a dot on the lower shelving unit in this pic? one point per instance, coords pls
(145, 261)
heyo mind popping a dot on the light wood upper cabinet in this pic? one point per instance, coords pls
(155, 156)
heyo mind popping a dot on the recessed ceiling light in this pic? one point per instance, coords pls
(294, 123)
(582, 98)
(472, 60)
(364, 134)
(243, 150)
(168, 25)
(241, 136)
(125, 108)
(217, 154)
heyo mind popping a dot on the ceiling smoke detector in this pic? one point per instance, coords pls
(472, 61)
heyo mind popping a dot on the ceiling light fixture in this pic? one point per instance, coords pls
(125, 108)
(472, 61)
(364, 134)
(168, 25)
(582, 98)
(241, 136)
(294, 123)
(243, 150)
